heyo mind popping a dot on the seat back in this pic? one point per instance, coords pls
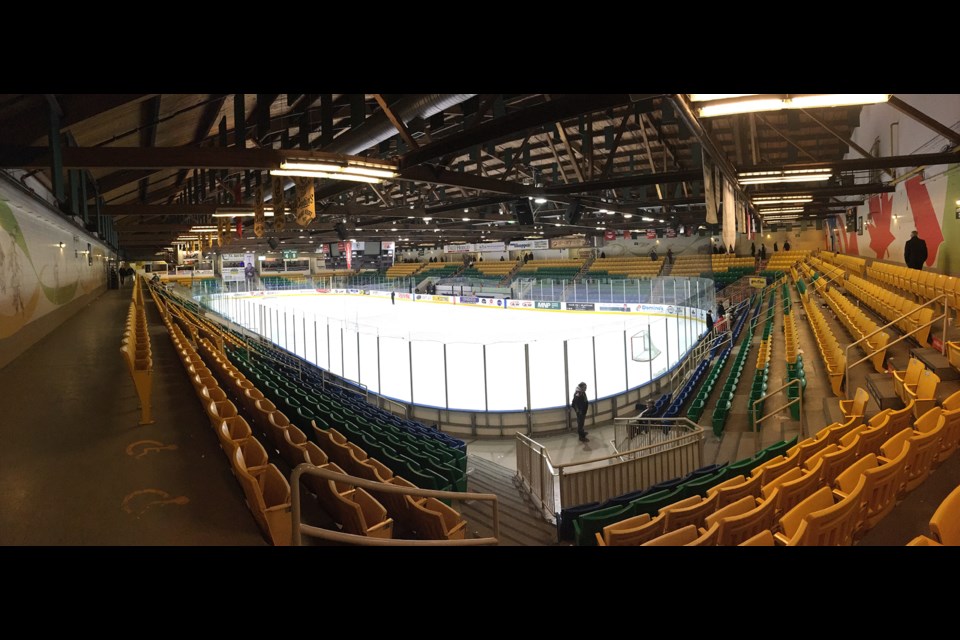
(834, 463)
(707, 538)
(730, 494)
(694, 513)
(880, 490)
(737, 528)
(633, 531)
(831, 526)
(793, 492)
(945, 523)
(762, 539)
(924, 448)
(676, 538)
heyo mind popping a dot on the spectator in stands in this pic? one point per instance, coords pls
(763, 251)
(122, 272)
(753, 249)
(501, 259)
(580, 404)
(249, 272)
(721, 312)
(603, 254)
(915, 251)
(670, 256)
(786, 245)
(709, 322)
(653, 255)
(731, 252)
(480, 259)
(775, 249)
(155, 279)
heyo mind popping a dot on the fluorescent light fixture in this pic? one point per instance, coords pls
(794, 175)
(324, 174)
(310, 166)
(782, 200)
(764, 212)
(706, 97)
(541, 201)
(466, 219)
(661, 220)
(758, 102)
(427, 219)
(628, 215)
(646, 219)
(601, 210)
(371, 170)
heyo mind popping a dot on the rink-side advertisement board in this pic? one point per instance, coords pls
(522, 304)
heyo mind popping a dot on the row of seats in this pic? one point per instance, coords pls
(891, 305)
(357, 511)
(696, 409)
(762, 372)
(926, 285)
(137, 351)
(827, 490)
(834, 359)
(853, 264)
(633, 519)
(403, 269)
(784, 260)
(725, 402)
(265, 488)
(859, 325)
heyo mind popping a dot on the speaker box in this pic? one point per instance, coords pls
(273, 242)
(341, 230)
(523, 212)
(573, 213)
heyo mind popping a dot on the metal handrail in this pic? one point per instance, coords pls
(679, 421)
(943, 316)
(798, 399)
(543, 451)
(300, 528)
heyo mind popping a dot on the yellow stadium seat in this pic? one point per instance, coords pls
(945, 523)
(676, 538)
(818, 521)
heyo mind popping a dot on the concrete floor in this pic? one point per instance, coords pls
(75, 467)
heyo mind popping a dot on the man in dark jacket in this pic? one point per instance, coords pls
(915, 252)
(580, 405)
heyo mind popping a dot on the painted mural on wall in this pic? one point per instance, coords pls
(37, 275)
(927, 206)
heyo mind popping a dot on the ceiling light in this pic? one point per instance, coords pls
(704, 97)
(541, 201)
(795, 175)
(465, 210)
(601, 210)
(628, 215)
(782, 200)
(556, 224)
(393, 229)
(466, 219)
(426, 219)
(352, 170)
(754, 103)
(240, 212)
(781, 210)
(646, 219)
(324, 174)
(660, 220)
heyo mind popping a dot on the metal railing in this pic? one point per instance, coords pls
(537, 474)
(299, 528)
(642, 435)
(797, 400)
(559, 486)
(943, 316)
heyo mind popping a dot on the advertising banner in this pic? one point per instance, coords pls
(468, 300)
(458, 248)
(580, 306)
(671, 233)
(567, 243)
(622, 307)
(529, 244)
(547, 305)
(490, 246)
(521, 304)
(651, 234)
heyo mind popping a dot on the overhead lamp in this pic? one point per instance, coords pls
(541, 201)
(646, 219)
(794, 175)
(628, 215)
(782, 200)
(466, 210)
(466, 219)
(782, 210)
(775, 102)
(60, 244)
(427, 219)
(601, 210)
(706, 97)
(660, 220)
(353, 170)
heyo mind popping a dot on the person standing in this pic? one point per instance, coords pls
(122, 271)
(580, 404)
(915, 251)
(393, 294)
(763, 252)
(670, 255)
(775, 249)
(753, 249)
(786, 245)
(709, 322)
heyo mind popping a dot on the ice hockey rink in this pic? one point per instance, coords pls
(464, 356)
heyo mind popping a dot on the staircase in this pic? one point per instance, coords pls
(584, 269)
(521, 523)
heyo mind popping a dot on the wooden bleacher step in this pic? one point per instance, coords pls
(936, 362)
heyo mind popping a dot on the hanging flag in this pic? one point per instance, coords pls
(709, 193)
(278, 204)
(305, 211)
(258, 218)
(729, 230)
(240, 227)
